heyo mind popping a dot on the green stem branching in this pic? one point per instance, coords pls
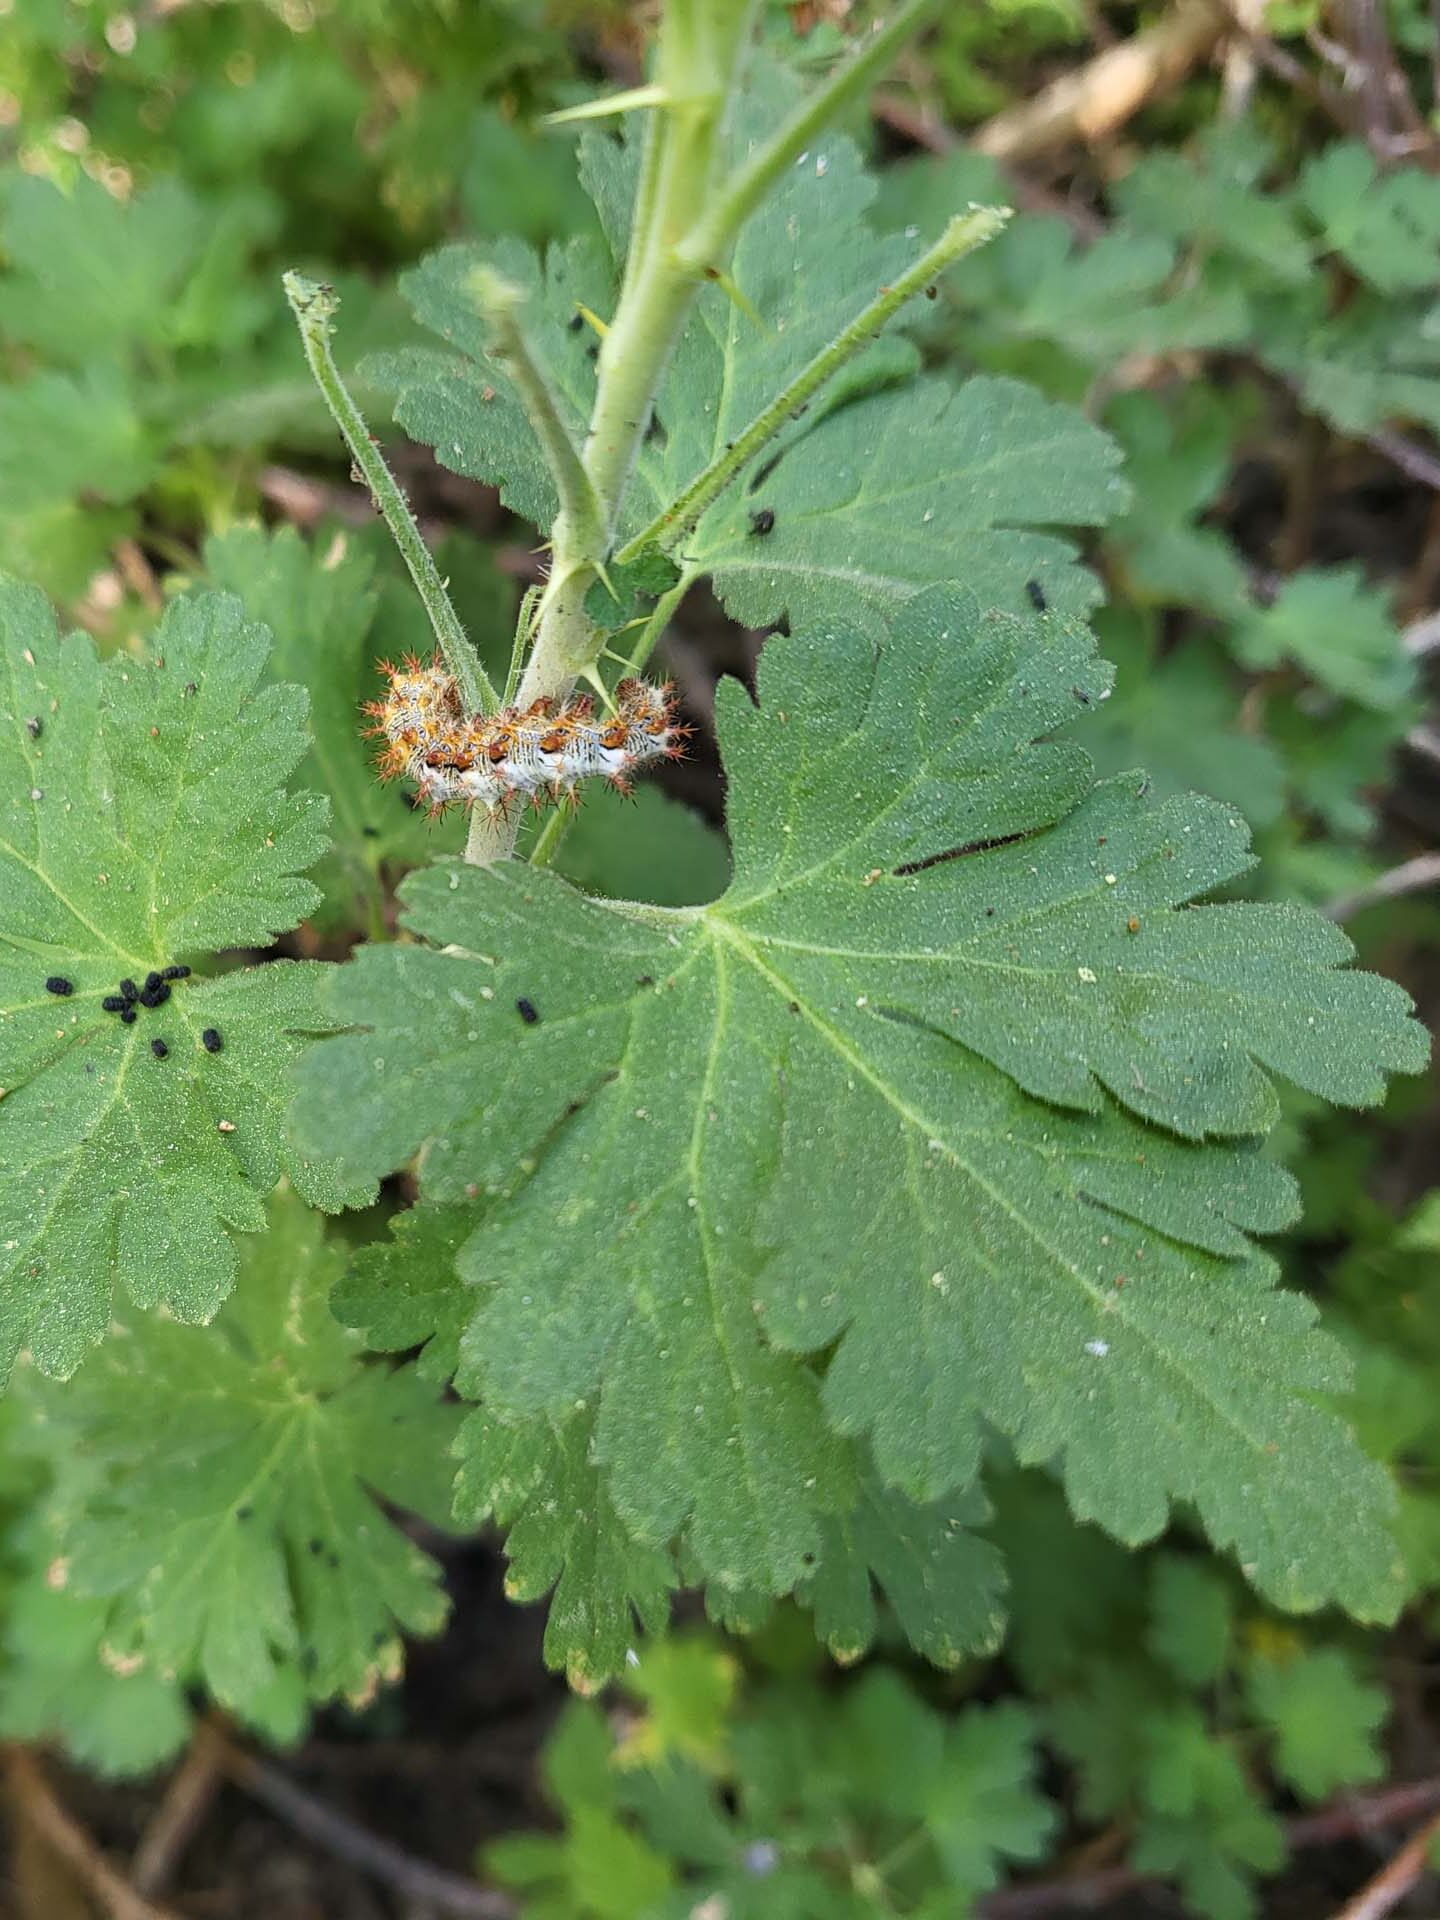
(686, 220)
(963, 235)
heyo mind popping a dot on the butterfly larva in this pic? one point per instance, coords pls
(544, 750)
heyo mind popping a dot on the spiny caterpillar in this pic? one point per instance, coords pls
(544, 750)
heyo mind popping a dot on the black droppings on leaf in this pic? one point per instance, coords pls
(1037, 596)
(762, 520)
(526, 1010)
(211, 1040)
(57, 983)
(175, 973)
(159, 1048)
(129, 990)
(114, 1003)
(128, 1015)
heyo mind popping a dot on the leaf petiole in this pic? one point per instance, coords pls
(315, 307)
(500, 301)
(963, 235)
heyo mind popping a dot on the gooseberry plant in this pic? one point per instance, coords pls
(742, 1228)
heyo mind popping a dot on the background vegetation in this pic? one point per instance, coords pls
(1232, 264)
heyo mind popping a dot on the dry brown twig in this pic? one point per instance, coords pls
(184, 1804)
(416, 1880)
(1342, 1820)
(1095, 99)
(1411, 876)
(35, 1802)
(1395, 1879)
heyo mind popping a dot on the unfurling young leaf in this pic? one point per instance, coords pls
(143, 824)
(953, 1085)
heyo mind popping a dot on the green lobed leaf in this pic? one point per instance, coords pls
(1204, 1823)
(540, 1481)
(63, 1680)
(1179, 712)
(403, 1292)
(1190, 1619)
(142, 818)
(985, 1807)
(931, 1090)
(946, 1586)
(1339, 630)
(1097, 301)
(89, 275)
(64, 434)
(1386, 226)
(1177, 460)
(1325, 1719)
(240, 1545)
(1210, 198)
(319, 606)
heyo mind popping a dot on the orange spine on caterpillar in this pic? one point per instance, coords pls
(544, 750)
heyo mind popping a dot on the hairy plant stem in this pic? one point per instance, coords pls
(315, 307)
(501, 302)
(712, 235)
(685, 223)
(698, 57)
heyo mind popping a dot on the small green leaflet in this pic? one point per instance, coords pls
(1325, 1719)
(1119, 294)
(932, 1089)
(142, 820)
(788, 1806)
(1387, 226)
(91, 276)
(240, 1546)
(1339, 630)
(1177, 710)
(541, 1483)
(1202, 1822)
(1190, 1619)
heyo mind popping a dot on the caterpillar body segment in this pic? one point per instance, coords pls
(541, 752)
